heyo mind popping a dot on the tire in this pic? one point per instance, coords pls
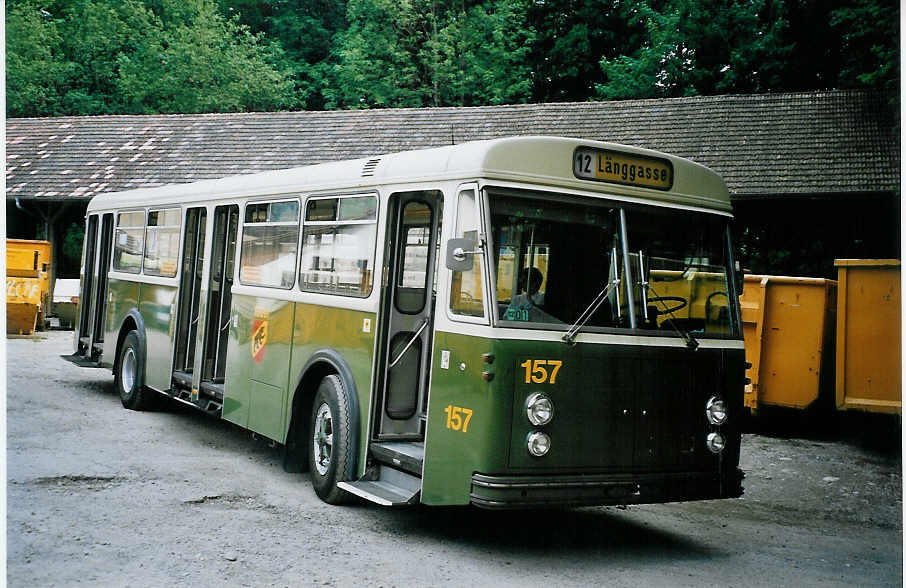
(329, 453)
(130, 375)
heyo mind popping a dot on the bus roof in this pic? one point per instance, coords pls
(541, 160)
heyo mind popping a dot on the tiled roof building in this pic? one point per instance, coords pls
(840, 142)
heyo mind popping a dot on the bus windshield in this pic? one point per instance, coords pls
(560, 260)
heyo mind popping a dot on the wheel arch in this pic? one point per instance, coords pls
(322, 363)
(133, 321)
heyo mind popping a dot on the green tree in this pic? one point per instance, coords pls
(481, 55)
(572, 36)
(209, 64)
(693, 47)
(35, 75)
(304, 30)
(424, 53)
(869, 31)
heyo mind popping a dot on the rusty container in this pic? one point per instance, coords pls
(869, 376)
(27, 285)
(788, 326)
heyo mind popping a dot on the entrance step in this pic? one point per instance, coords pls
(392, 488)
(212, 389)
(182, 379)
(405, 455)
(80, 360)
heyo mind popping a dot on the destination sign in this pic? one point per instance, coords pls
(617, 167)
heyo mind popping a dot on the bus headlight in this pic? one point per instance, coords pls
(716, 442)
(539, 409)
(539, 443)
(716, 411)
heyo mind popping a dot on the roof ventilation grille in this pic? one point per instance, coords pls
(370, 165)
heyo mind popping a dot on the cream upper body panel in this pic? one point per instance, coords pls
(543, 161)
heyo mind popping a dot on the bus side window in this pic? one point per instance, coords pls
(129, 241)
(338, 241)
(162, 242)
(466, 287)
(269, 238)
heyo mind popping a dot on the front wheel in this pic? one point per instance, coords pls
(130, 375)
(329, 451)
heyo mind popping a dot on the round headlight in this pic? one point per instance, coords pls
(539, 409)
(716, 442)
(716, 411)
(539, 443)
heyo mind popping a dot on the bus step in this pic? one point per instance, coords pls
(392, 488)
(182, 379)
(80, 360)
(212, 389)
(405, 455)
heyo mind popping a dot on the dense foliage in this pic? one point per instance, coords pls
(145, 56)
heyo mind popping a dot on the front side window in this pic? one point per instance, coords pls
(269, 239)
(466, 287)
(129, 241)
(338, 242)
(162, 242)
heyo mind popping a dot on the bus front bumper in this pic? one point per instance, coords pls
(602, 489)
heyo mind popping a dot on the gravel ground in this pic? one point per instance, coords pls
(103, 496)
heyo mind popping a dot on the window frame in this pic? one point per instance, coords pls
(269, 200)
(117, 228)
(304, 222)
(481, 214)
(148, 227)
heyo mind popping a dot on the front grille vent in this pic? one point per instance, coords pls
(370, 165)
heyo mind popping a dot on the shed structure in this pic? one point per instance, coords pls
(814, 176)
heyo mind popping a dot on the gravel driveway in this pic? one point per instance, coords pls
(102, 496)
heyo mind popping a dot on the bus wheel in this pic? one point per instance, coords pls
(130, 375)
(328, 447)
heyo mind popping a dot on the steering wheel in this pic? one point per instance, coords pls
(681, 303)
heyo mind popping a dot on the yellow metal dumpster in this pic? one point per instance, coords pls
(788, 326)
(27, 284)
(868, 335)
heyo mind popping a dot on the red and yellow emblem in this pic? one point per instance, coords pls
(259, 339)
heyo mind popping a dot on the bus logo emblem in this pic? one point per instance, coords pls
(259, 339)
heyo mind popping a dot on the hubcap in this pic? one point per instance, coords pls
(128, 370)
(323, 438)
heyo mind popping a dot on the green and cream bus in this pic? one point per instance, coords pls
(509, 323)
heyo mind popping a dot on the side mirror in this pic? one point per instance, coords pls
(459, 254)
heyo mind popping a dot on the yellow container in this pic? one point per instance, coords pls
(869, 373)
(27, 285)
(788, 327)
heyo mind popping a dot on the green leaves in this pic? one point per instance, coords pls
(109, 56)
(86, 57)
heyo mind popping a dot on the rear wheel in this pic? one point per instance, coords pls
(130, 375)
(329, 451)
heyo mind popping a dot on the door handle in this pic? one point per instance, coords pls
(411, 341)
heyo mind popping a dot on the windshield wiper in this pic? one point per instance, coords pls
(691, 342)
(570, 336)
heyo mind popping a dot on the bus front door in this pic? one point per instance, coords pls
(407, 311)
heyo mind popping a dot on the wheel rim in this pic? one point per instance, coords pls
(323, 438)
(128, 370)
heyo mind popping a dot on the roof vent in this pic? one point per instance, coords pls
(370, 165)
